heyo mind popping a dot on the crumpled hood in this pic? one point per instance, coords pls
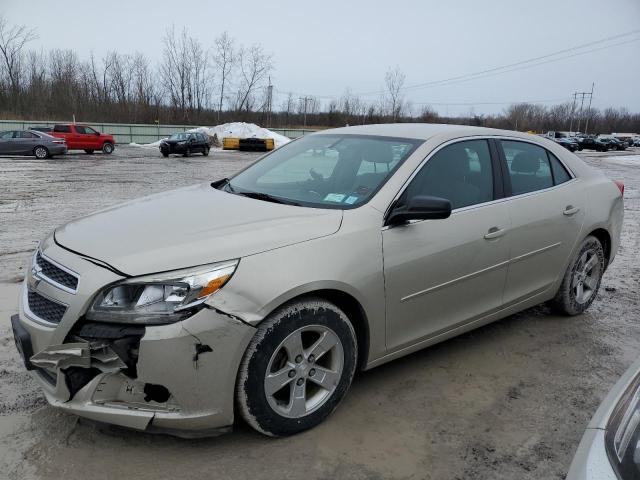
(191, 226)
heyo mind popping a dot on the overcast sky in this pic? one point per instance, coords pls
(322, 47)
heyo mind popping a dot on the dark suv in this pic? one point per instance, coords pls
(185, 144)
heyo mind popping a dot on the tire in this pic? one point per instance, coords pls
(41, 152)
(583, 274)
(165, 155)
(89, 152)
(205, 152)
(316, 324)
(107, 148)
(187, 153)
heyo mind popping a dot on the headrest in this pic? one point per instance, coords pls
(525, 162)
(375, 151)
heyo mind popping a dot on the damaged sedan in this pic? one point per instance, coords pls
(261, 296)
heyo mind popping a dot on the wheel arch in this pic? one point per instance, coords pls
(350, 306)
(604, 237)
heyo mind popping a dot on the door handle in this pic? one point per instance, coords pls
(494, 232)
(571, 210)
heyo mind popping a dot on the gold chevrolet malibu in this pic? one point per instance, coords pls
(264, 294)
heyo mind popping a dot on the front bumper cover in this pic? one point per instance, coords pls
(180, 378)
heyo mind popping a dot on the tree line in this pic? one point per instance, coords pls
(194, 83)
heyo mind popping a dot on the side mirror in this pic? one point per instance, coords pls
(420, 207)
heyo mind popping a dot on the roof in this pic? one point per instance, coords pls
(422, 131)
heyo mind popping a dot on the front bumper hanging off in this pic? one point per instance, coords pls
(177, 378)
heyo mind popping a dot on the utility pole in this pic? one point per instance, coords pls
(269, 101)
(573, 109)
(305, 99)
(582, 96)
(586, 126)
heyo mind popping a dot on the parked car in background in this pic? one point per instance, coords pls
(568, 143)
(610, 446)
(185, 143)
(261, 295)
(28, 142)
(592, 143)
(636, 142)
(612, 142)
(84, 137)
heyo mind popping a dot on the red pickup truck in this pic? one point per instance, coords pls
(83, 137)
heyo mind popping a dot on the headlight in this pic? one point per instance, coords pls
(162, 298)
(622, 438)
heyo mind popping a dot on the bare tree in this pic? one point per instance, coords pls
(13, 39)
(224, 58)
(255, 66)
(394, 81)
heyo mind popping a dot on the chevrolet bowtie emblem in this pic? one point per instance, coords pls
(35, 275)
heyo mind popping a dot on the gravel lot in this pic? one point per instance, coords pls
(507, 401)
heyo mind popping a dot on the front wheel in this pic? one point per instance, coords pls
(582, 279)
(41, 153)
(205, 152)
(297, 368)
(107, 148)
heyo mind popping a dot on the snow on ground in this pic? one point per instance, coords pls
(233, 129)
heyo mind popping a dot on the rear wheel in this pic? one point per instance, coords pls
(90, 152)
(297, 368)
(107, 148)
(41, 152)
(582, 279)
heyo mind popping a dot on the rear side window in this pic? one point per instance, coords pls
(529, 168)
(560, 174)
(25, 134)
(62, 129)
(462, 173)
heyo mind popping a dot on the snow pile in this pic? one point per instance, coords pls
(233, 129)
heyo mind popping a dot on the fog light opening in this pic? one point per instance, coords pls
(155, 393)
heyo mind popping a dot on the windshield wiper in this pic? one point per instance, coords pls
(266, 197)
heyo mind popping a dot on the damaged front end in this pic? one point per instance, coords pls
(176, 377)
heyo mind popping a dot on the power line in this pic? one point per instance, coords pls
(520, 65)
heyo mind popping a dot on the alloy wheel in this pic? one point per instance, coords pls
(41, 152)
(304, 371)
(586, 276)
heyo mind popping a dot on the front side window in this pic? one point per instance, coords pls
(528, 166)
(462, 173)
(328, 171)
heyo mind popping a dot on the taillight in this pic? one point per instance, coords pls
(620, 186)
(58, 141)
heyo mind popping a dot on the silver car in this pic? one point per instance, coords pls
(29, 142)
(263, 294)
(610, 447)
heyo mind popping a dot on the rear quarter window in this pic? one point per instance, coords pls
(62, 129)
(560, 174)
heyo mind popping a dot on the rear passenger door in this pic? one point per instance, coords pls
(64, 131)
(546, 208)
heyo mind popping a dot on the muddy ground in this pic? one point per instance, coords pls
(506, 401)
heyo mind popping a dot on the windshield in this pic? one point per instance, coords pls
(327, 171)
(179, 136)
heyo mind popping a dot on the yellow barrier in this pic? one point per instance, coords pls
(230, 143)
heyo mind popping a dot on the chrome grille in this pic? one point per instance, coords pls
(55, 273)
(44, 308)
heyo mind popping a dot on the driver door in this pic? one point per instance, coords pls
(442, 274)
